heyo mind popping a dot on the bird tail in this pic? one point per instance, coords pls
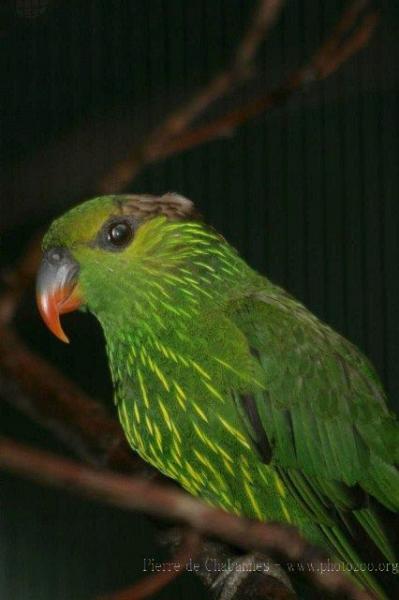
(352, 562)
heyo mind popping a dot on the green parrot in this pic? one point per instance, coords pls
(223, 381)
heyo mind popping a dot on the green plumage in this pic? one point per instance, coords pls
(229, 385)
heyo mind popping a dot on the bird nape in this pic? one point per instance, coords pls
(225, 382)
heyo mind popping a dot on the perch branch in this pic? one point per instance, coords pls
(168, 502)
(350, 35)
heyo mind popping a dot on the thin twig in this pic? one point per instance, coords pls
(175, 135)
(168, 502)
(241, 68)
(320, 66)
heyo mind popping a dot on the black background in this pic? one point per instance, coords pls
(308, 193)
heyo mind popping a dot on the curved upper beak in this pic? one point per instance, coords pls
(57, 290)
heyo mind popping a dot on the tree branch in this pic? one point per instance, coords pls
(350, 35)
(241, 68)
(170, 503)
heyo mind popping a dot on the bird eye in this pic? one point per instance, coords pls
(120, 234)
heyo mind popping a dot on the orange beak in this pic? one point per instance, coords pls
(57, 290)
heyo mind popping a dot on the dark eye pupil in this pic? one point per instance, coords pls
(120, 234)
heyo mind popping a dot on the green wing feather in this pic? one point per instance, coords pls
(324, 417)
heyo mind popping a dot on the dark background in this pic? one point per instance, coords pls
(308, 193)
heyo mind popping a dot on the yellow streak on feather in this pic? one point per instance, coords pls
(224, 453)
(204, 438)
(177, 447)
(200, 411)
(161, 377)
(172, 309)
(204, 265)
(143, 358)
(285, 511)
(149, 425)
(176, 457)
(157, 459)
(263, 475)
(279, 486)
(180, 402)
(181, 396)
(176, 432)
(143, 388)
(160, 288)
(234, 432)
(124, 416)
(194, 474)
(213, 391)
(228, 467)
(214, 489)
(238, 373)
(171, 471)
(209, 466)
(253, 501)
(246, 473)
(163, 350)
(226, 499)
(158, 437)
(136, 412)
(189, 485)
(165, 414)
(200, 370)
(151, 363)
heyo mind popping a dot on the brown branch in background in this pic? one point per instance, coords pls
(168, 502)
(343, 30)
(323, 63)
(148, 586)
(241, 68)
(350, 35)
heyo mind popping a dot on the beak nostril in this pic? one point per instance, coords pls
(56, 255)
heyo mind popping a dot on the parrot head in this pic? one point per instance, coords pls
(113, 253)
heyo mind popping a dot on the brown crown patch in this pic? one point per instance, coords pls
(145, 206)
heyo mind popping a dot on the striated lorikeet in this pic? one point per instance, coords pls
(222, 380)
